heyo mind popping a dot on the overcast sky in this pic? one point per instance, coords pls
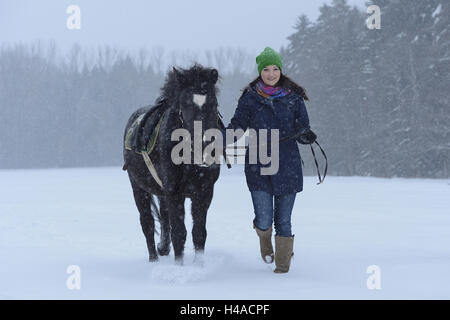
(173, 24)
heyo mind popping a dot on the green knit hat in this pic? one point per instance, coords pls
(267, 58)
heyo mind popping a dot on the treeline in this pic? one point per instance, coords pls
(379, 97)
(71, 111)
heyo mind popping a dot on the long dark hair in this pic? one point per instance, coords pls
(285, 82)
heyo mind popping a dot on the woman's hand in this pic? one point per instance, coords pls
(307, 136)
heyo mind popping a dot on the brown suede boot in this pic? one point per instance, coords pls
(265, 242)
(283, 253)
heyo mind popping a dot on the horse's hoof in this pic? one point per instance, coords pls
(153, 258)
(179, 261)
(199, 258)
(163, 250)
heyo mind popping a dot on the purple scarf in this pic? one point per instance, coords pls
(269, 91)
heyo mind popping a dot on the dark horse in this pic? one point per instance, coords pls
(188, 95)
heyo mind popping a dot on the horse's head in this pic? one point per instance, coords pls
(193, 92)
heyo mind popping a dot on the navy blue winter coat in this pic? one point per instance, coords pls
(287, 114)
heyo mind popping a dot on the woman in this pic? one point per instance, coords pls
(273, 101)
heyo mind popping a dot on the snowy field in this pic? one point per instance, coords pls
(51, 219)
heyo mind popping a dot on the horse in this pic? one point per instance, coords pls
(187, 95)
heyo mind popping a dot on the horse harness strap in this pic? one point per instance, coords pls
(151, 168)
(152, 141)
(146, 153)
(148, 147)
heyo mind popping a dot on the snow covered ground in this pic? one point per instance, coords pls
(52, 219)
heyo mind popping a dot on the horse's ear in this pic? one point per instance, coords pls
(214, 75)
(178, 75)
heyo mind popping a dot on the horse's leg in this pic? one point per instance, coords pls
(199, 209)
(142, 199)
(164, 241)
(175, 207)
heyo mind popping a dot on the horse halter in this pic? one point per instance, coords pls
(180, 114)
(219, 124)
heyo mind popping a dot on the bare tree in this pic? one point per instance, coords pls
(157, 59)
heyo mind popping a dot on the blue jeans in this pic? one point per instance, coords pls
(265, 215)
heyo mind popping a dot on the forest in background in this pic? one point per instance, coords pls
(379, 98)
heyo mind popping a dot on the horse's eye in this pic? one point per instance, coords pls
(201, 90)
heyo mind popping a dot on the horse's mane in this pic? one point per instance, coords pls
(172, 86)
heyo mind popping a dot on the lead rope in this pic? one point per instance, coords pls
(220, 124)
(314, 155)
(317, 165)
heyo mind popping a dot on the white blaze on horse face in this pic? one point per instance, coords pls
(199, 99)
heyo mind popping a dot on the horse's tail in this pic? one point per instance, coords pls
(125, 165)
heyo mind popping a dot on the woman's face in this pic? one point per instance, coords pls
(270, 75)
